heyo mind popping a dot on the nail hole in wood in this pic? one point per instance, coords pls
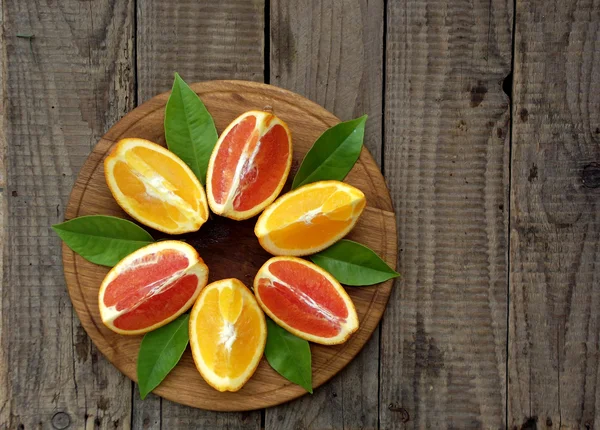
(61, 420)
(507, 85)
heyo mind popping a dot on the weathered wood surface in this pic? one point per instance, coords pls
(555, 217)
(443, 342)
(332, 53)
(62, 90)
(446, 158)
(200, 41)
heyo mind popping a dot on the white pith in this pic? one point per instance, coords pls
(227, 337)
(348, 325)
(227, 208)
(310, 215)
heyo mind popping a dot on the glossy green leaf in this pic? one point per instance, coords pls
(189, 128)
(353, 264)
(160, 351)
(289, 355)
(101, 239)
(334, 153)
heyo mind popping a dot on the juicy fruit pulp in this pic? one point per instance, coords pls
(249, 165)
(155, 187)
(227, 334)
(305, 300)
(309, 219)
(151, 287)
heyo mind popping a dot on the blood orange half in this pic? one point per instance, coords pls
(305, 300)
(249, 165)
(151, 287)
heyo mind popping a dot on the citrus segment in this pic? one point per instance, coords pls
(305, 300)
(155, 187)
(159, 307)
(228, 333)
(310, 219)
(249, 165)
(151, 287)
(227, 158)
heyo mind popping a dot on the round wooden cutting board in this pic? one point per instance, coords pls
(229, 247)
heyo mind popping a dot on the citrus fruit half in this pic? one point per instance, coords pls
(310, 218)
(228, 333)
(305, 300)
(151, 287)
(155, 186)
(249, 165)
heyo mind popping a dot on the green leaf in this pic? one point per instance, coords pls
(160, 351)
(189, 128)
(353, 264)
(101, 239)
(334, 153)
(289, 355)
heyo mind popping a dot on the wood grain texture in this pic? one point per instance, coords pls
(443, 342)
(145, 414)
(224, 248)
(201, 41)
(555, 217)
(61, 90)
(4, 378)
(332, 53)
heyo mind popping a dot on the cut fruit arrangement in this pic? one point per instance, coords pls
(293, 301)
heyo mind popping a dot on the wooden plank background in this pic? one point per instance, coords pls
(555, 217)
(485, 119)
(443, 342)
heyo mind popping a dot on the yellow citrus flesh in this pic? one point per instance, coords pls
(309, 219)
(228, 333)
(155, 187)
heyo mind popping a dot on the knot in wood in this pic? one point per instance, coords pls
(404, 416)
(61, 420)
(591, 175)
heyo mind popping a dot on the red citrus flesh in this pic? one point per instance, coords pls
(136, 282)
(159, 307)
(303, 299)
(262, 177)
(249, 165)
(151, 287)
(228, 157)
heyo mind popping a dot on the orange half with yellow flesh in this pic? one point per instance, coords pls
(310, 218)
(155, 186)
(228, 333)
